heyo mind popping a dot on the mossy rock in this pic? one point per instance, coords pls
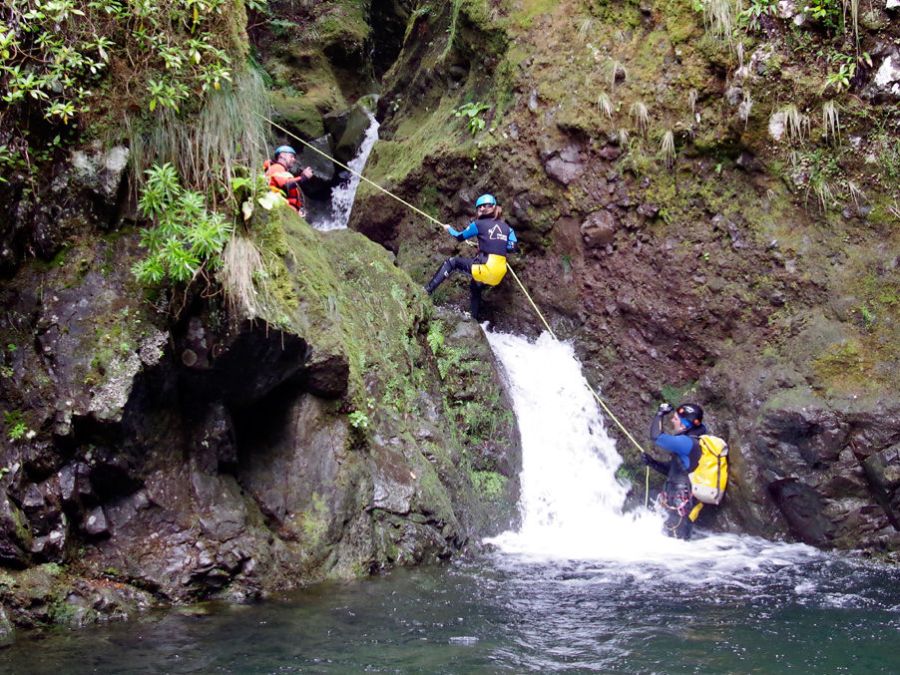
(299, 111)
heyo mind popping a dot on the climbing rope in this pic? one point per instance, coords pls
(537, 311)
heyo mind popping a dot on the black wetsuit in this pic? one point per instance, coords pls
(676, 494)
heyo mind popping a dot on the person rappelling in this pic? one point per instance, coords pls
(698, 471)
(496, 240)
(280, 174)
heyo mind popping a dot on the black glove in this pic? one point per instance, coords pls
(665, 409)
(646, 459)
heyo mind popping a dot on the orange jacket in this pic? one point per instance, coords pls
(285, 182)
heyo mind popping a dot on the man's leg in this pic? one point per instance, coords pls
(475, 289)
(456, 264)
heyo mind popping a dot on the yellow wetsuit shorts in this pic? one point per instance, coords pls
(492, 271)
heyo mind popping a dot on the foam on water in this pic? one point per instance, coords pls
(342, 196)
(572, 502)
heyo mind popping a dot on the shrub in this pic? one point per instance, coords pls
(186, 240)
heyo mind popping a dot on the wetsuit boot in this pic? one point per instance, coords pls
(439, 276)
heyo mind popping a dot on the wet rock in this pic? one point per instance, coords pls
(100, 171)
(734, 95)
(94, 522)
(74, 483)
(599, 229)
(648, 211)
(323, 168)
(803, 508)
(887, 77)
(348, 129)
(15, 535)
(327, 375)
(777, 125)
(610, 152)
(566, 166)
(51, 547)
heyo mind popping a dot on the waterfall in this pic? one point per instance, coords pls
(342, 196)
(571, 500)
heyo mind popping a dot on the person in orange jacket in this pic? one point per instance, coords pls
(279, 172)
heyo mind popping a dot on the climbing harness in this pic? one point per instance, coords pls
(679, 507)
(508, 267)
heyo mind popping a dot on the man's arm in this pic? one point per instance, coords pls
(468, 233)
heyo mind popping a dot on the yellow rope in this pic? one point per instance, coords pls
(515, 276)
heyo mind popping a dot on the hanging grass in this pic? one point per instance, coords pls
(641, 115)
(831, 122)
(206, 149)
(240, 261)
(719, 17)
(667, 148)
(605, 103)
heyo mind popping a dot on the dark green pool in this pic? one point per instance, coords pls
(514, 614)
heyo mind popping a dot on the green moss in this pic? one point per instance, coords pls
(343, 23)
(489, 484)
(314, 522)
(843, 366)
(301, 111)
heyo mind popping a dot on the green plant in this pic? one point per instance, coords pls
(358, 419)
(16, 427)
(448, 359)
(829, 13)
(187, 238)
(472, 113)
(750, 17)
(867, 316)
(435, 337)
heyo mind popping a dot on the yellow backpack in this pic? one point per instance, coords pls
(709, 479)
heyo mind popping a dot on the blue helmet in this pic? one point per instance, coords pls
(284, 148)
(486, 199)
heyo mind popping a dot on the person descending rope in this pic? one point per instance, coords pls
(677, 497)
(279, 172)
(496, 240)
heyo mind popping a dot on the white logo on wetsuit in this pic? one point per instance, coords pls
(496, 233)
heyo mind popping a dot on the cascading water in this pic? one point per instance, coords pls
(342, 196)
(572, 503)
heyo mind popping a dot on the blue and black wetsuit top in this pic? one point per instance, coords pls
(685, 448)
(494, 236)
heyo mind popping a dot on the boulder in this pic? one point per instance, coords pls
(599, 229)
(887, 78)
(100, 171)
(565, 166)
(348, 129)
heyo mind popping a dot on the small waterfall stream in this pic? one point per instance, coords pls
(343, 195)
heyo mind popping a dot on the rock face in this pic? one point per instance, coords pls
(214, 456)
(699, 276)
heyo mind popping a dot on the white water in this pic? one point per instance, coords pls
(571, 501)
(342, 196)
